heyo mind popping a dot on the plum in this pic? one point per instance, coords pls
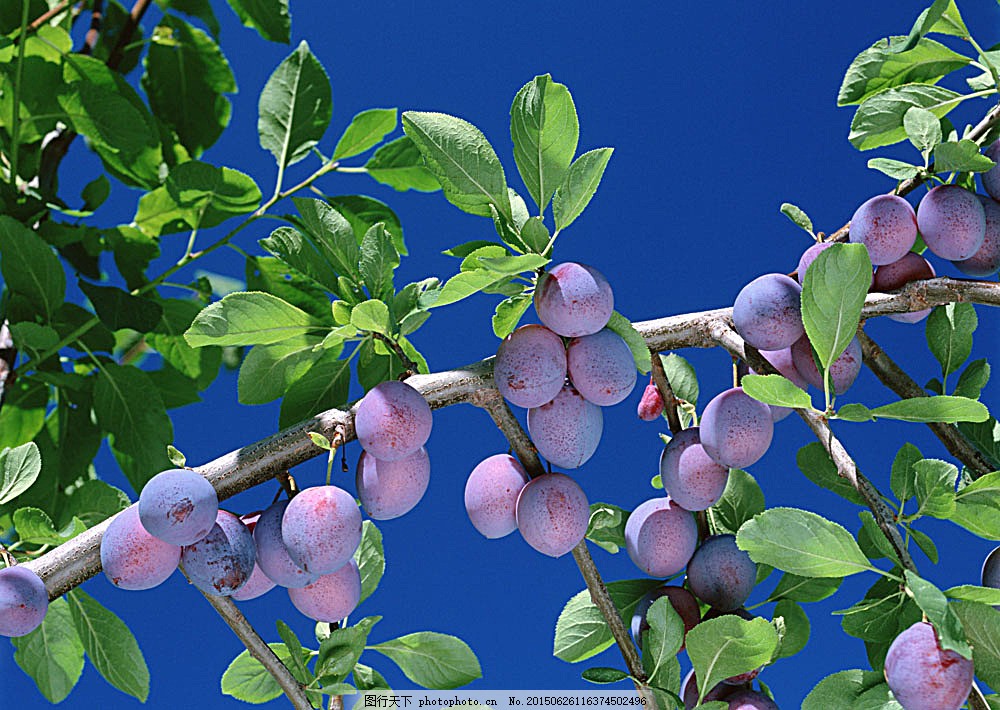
(808, 257)
(272, 555)
(259, 583)
(681, 600)
(750, 700)
(178, 506)
(689, 691)
(574, 299)
(222, 561)
(952, 222)
(735, 429)
(986, 261)
(601, 367)
(552, 514)
(392, 421)
(530, 366)
(887, 226)
(768, 312)
(844, 370)
(23, 601)
(567, 430)
(491, 495)
(922, 676)
(331, 597)
(660, 537)
(131, 557)
(721, 574)
(991, 178)
(321, 528)
(389, 489)
(691, 477)
(651, 404)
(991, 571)
(894, 276)
(784, 363)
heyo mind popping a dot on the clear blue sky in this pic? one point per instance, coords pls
(718, 113)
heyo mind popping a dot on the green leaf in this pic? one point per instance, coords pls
(977, 507)
(295, 107)
(36, 527)
(606, 528)
(640, 351)
(95, 193)
(508, 314)
(796, 627)
(923, 128)
(94, 501)
(934, 486)
(581, 631)
(269, 370)
(840, 691)
(378, 260)
(661, 643)
(339, 651)
(949, 334)
(801, 542)
(269, 17)
(896, 169)
(973, 379)
(332, 234)
(295, 652)
(797, 215)
(363, 213)
(462, 160)
(367, 678)
(432, 660)
(128, 406)
(20, 467)
(741, 500)
(23, 413)
(110, 645)
(804, 589)
(982, 629)
(400, 165)
(373, 316)
(535, 235)
(882, 614)
(973, 593)
(370, 557)
(818, 467)
(465, 284)
(200, 9)
(293, 248)
(52, 654)
(961, 156)
(902, 480)
(323, 386)
(120, 309)
(879, 119)
(925, 543)
(367, 130)
(682, 377)
(30, 268)
(603, 676)
(985, 436)
(945, 409)
(880, 67)
(579, 185)
(776, 390)
(727, 646)
(833, 294)
(942, 16)
(249, 318)
(933, 603)
(186, 78)
(247, 680)
(545, 130)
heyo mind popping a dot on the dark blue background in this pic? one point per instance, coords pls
(718, 113)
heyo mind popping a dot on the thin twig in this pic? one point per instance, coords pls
(662, 383)
(128, 29)
(46, 16)
(896, 379)
(243, 629)
(846, 467)
(412, 367)
(494, 404)
(96, 18)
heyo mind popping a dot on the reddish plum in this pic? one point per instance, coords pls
(23, 601)
(601, 367)
(530, 366)
(651, 405)
(768, 312)
(491, 495)
(178, 506)
(134, 559)
(566, 430)
(952, 222)
(552, 514)
(321, 528)
(986, 261)
(922, 676)
(660, 537)
(887, 226)
(991, 178)
(392, 421)
(331, 597)
(750, 700)
(222, 561)
(272, 555)
(389, 489)
(574, 299)
(844, 370)
(735, 429)
(691, 477)
(808, 257)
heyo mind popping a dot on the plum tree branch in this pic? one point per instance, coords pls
(896, 379)
(231, 614)
(490, 399)
(78, 559)
(662, 384)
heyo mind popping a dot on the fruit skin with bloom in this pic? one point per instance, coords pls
(767, 312)
(178, 506)
(660, 537)
(952, 222)
(530, 367)
(735, 429)
(552, 514)
(887, 226)
(132, 558)
(574, 299)
(392, 421)
(23, 601)
(491, 493)
(567, 430)
(690, 476)
(321, 529)
(922, 675)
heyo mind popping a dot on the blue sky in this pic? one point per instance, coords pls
(718, 113)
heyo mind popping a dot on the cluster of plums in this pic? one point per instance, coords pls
(562, 372)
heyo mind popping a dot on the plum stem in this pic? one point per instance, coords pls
(662, 382)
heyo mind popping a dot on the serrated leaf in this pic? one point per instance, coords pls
(934, 487)
(923, 128)
(606, 528)
(268, 371)
(902, 478)
(624, 328)
(249, 318)
(933, 603)
(727, 646)
(119, 309)
(801, 542)
(841, 690)
(370, 557)
(973, 379)
(378, 260)
(797, 215)
(741, 500)
(833, 294)
(400, 165)
(973, 593)
(946, 409)
(896, 169)
(269, 17)
(796, 627)
(775, 390)
(508, 314)
(432, 660)
(977, 507)
(816, 465)
(52, 654)
(805, 589)
(372, 315)
(36, 527)
(949, 334)
(20, 466)
(332, 234)
(878, 121)
(661, 643)
(603, 676)
(579, 185)
(295, 107)
(30, 268)
(247, 680)
(880, 67)
(961, 156)
(367, 130)
(581, 631)
(110, 645)
(982, 629)
(535, 235)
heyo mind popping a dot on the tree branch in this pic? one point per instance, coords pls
(494, 404)
(96, 18)
(670, 403)
(231, 614)
(896, 379)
